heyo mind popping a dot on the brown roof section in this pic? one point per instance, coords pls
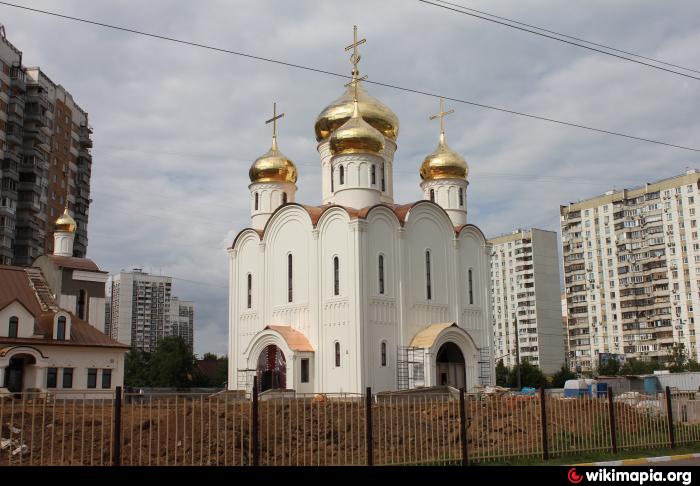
(295, 339)
(15, 287)
(75, 263)
(27, 286)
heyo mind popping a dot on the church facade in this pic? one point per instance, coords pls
(359, 291)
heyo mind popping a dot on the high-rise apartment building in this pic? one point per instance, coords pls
(46, 161)
(526, 296)
(143, 311)
(632, 271)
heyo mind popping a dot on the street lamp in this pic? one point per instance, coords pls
(517, 350)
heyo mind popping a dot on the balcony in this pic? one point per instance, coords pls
(14, 133)
(40, 138)
(18, 79)
(37, 117)
(84, 136)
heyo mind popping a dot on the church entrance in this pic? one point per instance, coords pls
(272, 369)
(14, 373)
(450, 366)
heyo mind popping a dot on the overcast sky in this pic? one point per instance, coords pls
(176, 127)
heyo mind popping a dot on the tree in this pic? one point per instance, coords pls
(530, 376)
(610, 368)
(693, 365)
(559, 378)
(172, 364)
(136, 368)
(634, 366)
(677, 358)
(501, 374)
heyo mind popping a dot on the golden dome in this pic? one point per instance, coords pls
(65, 222)
(356, 136)
(274, 166)
(444, 163)
(373, 111)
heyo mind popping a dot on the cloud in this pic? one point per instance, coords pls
(176, 127)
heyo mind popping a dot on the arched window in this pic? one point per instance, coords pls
(337, 354)
(332, 181)
(256, 201)
(381, 274)
(82, 297)
(383, 181)
(336, 276)
(374, 174)
(428, 287)
(61, 329)
(284, 198)
(471, 288)
(290, 287)
(383, 352)
(432, 195)
(14, 326)
(250, 291)
(342, 175)
(461, 197)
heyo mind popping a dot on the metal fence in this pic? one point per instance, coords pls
(333, 429)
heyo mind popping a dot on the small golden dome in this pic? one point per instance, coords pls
(444, 163)
(373, 111)
(65, 222)
(356, 136)
(274, 166)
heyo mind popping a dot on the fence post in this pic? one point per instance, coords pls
(613, 427)
(368, 416)
(669, 408)
(463, 428)
(254, 432)
(117, 434)
(543, 415)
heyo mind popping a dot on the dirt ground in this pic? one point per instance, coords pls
(218, 431)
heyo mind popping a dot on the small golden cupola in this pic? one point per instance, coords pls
(65, 222)
(356, 136)
(443, 162)
(273, 166)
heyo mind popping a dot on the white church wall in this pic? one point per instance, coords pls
(247, 261)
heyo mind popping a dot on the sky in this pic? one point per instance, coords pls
(176, 127)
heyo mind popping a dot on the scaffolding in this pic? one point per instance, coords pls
(245, 379)
(410, 367)
(484, 366)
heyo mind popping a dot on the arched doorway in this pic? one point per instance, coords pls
(271, 369)
(450, 366)
(15, 372)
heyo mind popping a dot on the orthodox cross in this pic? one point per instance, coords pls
(274, 119)
(355, 57)
(442, 115)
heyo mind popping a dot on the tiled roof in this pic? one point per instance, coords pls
(426, 337)
(74, 263)
(295, 339)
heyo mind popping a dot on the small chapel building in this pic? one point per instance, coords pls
(359, 291)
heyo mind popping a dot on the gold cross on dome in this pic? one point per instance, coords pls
(355, 57)
(442, 115)
(274, 119)
(354, 82)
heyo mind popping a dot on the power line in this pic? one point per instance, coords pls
(378, 83)
(569, 36)
(560, 40)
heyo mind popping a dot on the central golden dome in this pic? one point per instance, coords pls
(444, 163)
(373, 111)
(356, 136)
(274, 166)
(65, 222)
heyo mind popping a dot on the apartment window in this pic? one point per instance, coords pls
(106, 378)
(342, 175)
(250, 291)
(51, 377)
(471, 288)
(61, 329)
(461, 197)
(256, 201)
(374, 174)
(381, 274)
(432, 195)
(290, 289)
(428, 288)
(337, 354)
(336, 276)
(383, 353)
(67, 377)
(305, 370)
(92, 378)
(14, 325)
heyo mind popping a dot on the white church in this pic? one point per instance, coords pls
(359, 291)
